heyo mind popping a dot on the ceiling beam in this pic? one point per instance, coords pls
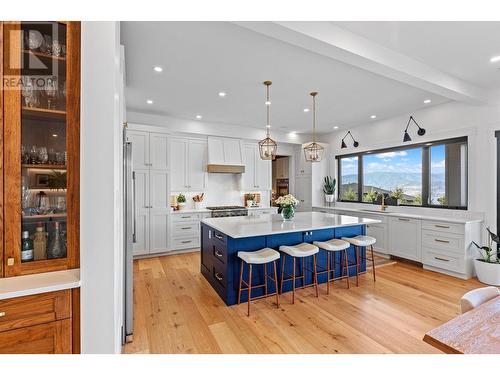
(332, 41)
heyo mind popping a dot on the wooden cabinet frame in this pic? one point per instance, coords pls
(11, 132)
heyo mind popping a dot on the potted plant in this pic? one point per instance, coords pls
(371, 196)
(250, 199)
(329, 185)
(287, 205)
(181, 201)
(397, 194)
(488, 267)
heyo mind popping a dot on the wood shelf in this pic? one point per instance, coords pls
(44, 112)
(44, 55)
(44, 166)
(47, 216)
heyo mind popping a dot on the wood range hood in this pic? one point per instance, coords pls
(223, 168)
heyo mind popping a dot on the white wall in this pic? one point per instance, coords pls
(100, 198)
(442, 121)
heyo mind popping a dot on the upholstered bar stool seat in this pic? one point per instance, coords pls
(300, 251)
(259, 257)
(477, 297)
(358, 242)
(262, 256)
(332, 246)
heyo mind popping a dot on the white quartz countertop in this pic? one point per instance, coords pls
(251, 226)
(445, 218)
(19, 286)
(204, 210)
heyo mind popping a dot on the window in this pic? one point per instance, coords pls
(349, 179)
(429, 175)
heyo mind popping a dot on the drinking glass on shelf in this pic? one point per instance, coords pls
(59, 158)
(51, 92)
(43, 156)
(28, 92)
(52, 156)
(33, 155)
(25, 155)
(56, 48)
(46, 46)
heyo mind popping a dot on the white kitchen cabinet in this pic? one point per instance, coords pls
(158, 151)
(141, 245)
(158, 211)
(149, 150)
(224, 151)
(140, 149)
(303, 192)
(405, 236)
(262, 211)
(378, 231)
(257, 174)
(281, 168)
(302, 167)
(188, 164)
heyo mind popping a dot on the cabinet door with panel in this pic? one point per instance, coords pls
(140, 149)
(41, 140)
(158, 151)
(178, 164)
(378, 232)
(141, 181)
(405, 238)
(303, 192)
(249, 155)
(262, 173)
(197, 164)
(158, 212)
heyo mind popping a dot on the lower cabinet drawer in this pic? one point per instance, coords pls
(447, 242)
(36, 309)
(186, 229)
(185, 243)
(48, 338)
(219, 252)
(442, 260)
(219, 274)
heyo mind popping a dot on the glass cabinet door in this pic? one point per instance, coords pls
(41, 146)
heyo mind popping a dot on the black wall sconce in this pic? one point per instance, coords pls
(355, 143)
(421, 131)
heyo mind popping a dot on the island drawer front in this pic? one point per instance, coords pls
(185, 217)
(185, 243)
(443, 260)
(218, 236)
(219, 274)
(36, 309)
(185, 229)
(219, 252)
(443, 227)
(444, 242)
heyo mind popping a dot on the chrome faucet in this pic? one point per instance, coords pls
(383, 206)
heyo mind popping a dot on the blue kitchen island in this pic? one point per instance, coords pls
(222, 238)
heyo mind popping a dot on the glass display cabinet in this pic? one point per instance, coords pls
(41, 109)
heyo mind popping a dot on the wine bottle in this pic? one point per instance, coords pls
(27, 251)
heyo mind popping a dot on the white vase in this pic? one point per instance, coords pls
(487, 273)
(329, 198)
(249, 203)
(198, 205)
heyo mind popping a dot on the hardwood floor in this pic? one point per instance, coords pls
(176, 311)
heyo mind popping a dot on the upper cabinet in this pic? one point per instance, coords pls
(225, 151)
(257, 174)
(149, 150)
(41, 156)
(188, 164)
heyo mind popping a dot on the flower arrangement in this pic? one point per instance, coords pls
(287, 205)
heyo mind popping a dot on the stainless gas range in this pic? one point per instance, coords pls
(225, 211)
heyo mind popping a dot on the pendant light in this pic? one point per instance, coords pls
(421, 131)
(268, 146)
(314, 151)
(354, 142)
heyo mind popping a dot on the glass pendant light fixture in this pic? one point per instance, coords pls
(421, 131)
(314, 151)
(268, 146)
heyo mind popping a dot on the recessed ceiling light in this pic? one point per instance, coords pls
(149, 101)
(495, 59)
(306, 110)
(373, 116)
(427, 101)
(158, 69)
(55, 135)
(268, 102)
(199, 117)
(335, 127)
(222, 94)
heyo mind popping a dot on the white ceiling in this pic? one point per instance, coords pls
(202, 58)
(462, 49)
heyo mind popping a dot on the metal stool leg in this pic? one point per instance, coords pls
(276, 286)
(241, 280)
(346, 263)
(249, 287)
(293, 280)
(373, 263)
(315, 275)
(328, 272)
(357, 264)
(265, 279)
(282, 272)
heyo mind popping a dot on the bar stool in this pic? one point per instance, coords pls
(332, 246)
(260, 257)
(301, 251)
(358, 242)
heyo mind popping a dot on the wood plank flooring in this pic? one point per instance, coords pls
(176, 311)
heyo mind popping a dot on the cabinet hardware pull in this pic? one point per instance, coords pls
(403, 219)
(185, 217)
(218, 276)
(186, 227)
(2, 313)
(444, 260)
(442, 226)
(442, 241)
(186, 241)
(218, 253)
(218, 236)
